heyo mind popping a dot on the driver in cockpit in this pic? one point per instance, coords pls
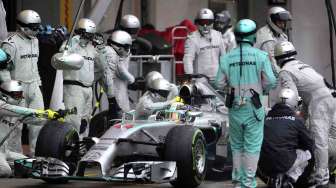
(157, 97)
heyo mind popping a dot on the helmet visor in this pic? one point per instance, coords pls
(282, 16)
(16, 94)
(31, 26)
(163, 93)
(131, 31)
(84, 34)
(204, 22)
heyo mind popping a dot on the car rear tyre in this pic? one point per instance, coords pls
(186, 146)
(58, 140)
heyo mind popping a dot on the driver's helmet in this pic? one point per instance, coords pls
(12, 91)
(160, 86)
(173, 115)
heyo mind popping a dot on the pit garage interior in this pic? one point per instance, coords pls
(309, 29)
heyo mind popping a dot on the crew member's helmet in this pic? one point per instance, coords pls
(86, 28)
(12, 91)
(245, 31)
(288, 97)
(283, 52)
(277, 14)
(29, 22)
(160, 86)
(130, 24)
(204, 20)
(153, 75)
(222, 21)
(121, 41)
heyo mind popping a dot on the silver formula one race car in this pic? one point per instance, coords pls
(174, 145)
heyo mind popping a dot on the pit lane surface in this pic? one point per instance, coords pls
(34, 183)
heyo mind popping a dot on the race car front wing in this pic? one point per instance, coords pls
(137, 172)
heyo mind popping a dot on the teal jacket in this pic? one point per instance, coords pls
(251, 70)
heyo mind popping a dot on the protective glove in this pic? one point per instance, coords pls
(61, 32)
(98, 40)
(49, 114)
(138, 84)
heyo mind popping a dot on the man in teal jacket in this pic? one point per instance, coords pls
(245, 73)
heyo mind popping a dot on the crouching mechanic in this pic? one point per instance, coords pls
(246, 72)
(287, 144)
(156, 98)
(318, 99)
(11, 95)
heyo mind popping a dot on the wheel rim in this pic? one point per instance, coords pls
(200, 156)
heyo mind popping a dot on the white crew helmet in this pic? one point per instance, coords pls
(29, 22)
(277, 13)
(153, 75)
(130, 24)
(288, 97)
(12, 91)
(284, 51)
(121, 41)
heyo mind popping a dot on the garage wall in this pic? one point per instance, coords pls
(164, 13)
(129, 7)
(309, 27)
(48, 10)
(311, 34)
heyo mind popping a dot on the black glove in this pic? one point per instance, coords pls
(61, 113)
(138, 84)
(98, 39)
(61, 33)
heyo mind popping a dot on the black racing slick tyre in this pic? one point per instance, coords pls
(58, 140)
(99, 124)
(186, 146)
